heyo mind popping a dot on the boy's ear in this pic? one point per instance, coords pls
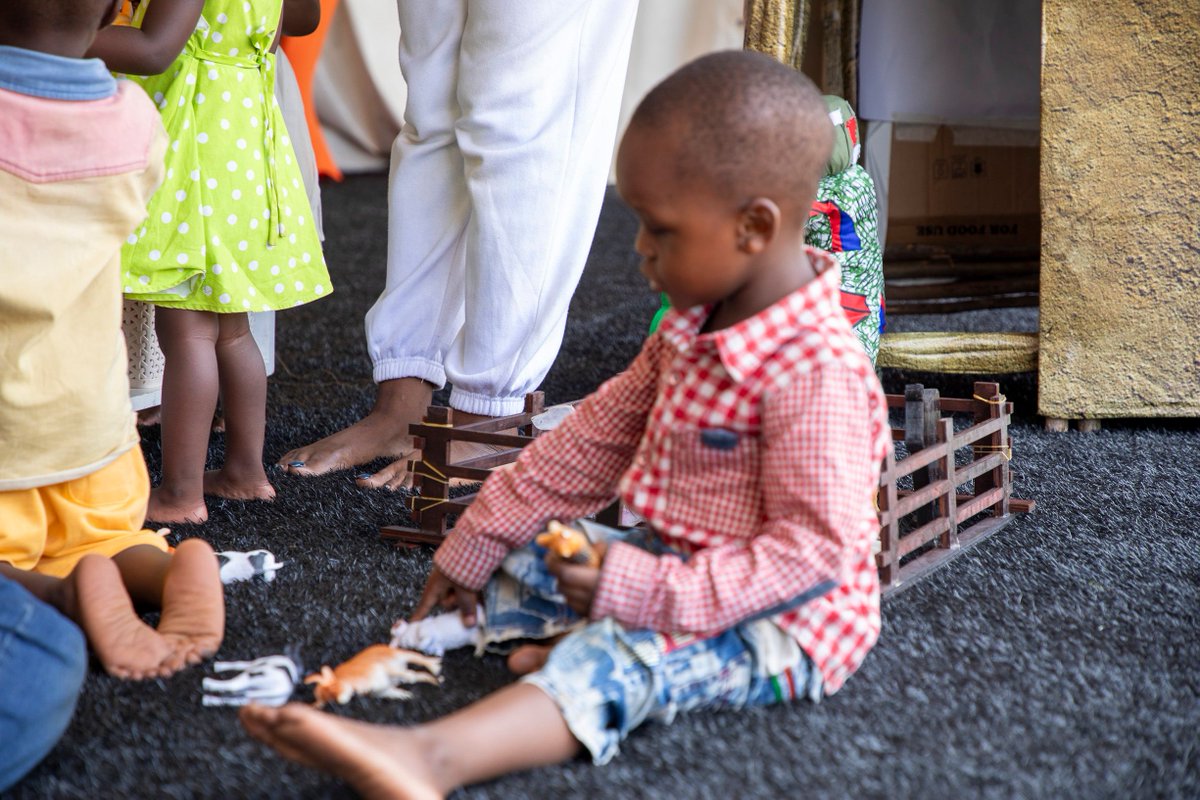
(758, 223)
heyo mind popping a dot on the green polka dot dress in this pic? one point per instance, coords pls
(230, 230)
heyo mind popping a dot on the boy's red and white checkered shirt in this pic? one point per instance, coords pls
(754, 450)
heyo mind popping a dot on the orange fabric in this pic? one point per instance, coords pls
(125, 16)
(48, 529)
(303, 52)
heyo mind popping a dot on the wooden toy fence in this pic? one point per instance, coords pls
(921, 528)
(924, 527)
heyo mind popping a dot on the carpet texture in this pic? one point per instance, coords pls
(1059, 659)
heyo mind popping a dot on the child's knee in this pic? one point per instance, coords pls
(233, 330)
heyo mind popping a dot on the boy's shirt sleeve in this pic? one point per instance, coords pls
(819, 470)
(566, 473)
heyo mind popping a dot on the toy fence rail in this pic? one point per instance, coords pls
(435, 474)
(921, 528)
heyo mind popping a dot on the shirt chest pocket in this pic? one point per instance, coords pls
(712, 478)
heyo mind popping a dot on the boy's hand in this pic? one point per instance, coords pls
(443, 592)
(577, 582)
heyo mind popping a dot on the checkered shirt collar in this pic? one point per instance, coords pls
(743, 347)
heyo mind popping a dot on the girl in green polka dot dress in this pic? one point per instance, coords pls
(229, 231)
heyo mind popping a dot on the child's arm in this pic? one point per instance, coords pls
(300, 17)
(154, 46)
(822, 439)
(567, 473)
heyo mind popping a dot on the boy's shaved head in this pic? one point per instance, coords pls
(745, 124)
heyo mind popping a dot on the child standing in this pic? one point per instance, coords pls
(748, 433)
(229, 232)
(80, 155)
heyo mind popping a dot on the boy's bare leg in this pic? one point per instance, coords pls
(243, 382)
(94, 597)
(516, 728)
(189, 398)
(382, 433)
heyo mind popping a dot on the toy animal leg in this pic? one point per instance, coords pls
(429, 662)
(413, 676)
(393, 694)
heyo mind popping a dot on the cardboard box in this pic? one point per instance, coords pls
(960, 188)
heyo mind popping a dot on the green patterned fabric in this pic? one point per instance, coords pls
(230, 230)
(844, 222)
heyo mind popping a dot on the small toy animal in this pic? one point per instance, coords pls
(438, 633)
(268, 680)
(568, 543)
(374, 671)
(237, 566)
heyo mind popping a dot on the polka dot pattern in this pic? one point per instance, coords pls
(223, 210)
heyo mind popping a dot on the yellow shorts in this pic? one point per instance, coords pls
(48, 529)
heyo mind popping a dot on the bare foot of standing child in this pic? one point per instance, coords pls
(237, 485)
(149, 417)
(193, 603)
(166, 506)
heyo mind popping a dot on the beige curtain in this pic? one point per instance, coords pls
(781, 29)
(778, 28)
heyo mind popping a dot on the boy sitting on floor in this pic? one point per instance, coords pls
(748, 433)
(80, 154)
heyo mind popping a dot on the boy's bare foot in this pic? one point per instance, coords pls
(148, 417)
(126, 646)
(227, 483)
(378, 761)
(193, 603)
(528, 658)
(165, 507)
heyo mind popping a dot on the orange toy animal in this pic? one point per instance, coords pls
(374, 671)
(568, 543)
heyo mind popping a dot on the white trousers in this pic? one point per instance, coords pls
(497, 178)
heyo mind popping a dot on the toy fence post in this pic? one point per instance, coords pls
(990, 404)
(435, 450)
(535, 403)
(889, 534)
(948, 503)
(921, 417)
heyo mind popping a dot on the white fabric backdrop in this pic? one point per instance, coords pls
(948, 61)
(360, 93)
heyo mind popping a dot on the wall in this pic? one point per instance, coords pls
(1120, 272)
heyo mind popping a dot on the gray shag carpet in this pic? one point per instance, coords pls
(1058, 659)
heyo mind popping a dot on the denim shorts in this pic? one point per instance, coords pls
(607, 680)
(43, 659)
